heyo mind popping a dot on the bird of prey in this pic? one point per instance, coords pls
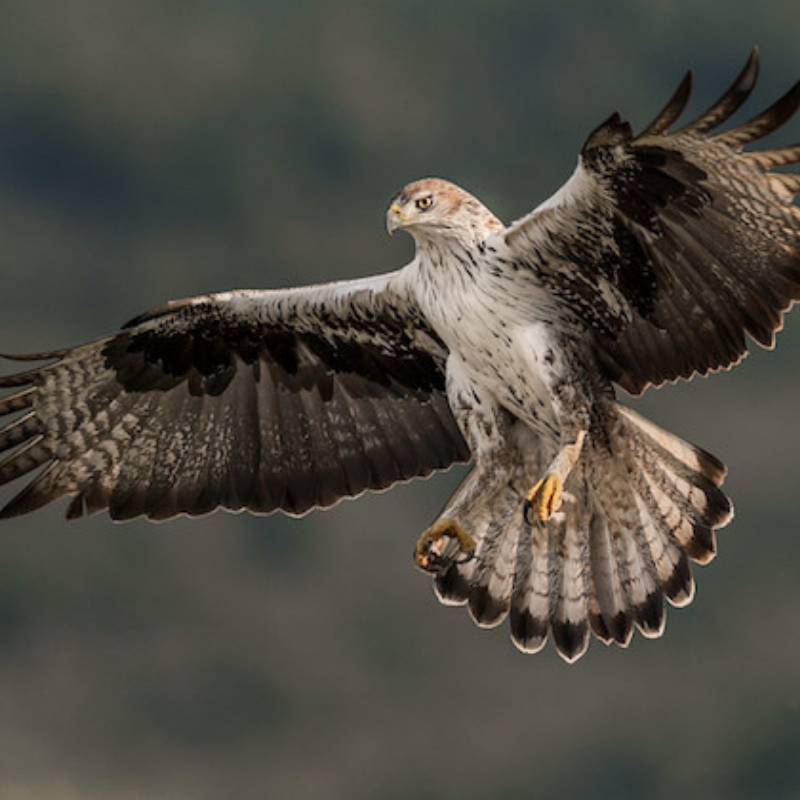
(499, 345)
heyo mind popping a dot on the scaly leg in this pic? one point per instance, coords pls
(544, 499)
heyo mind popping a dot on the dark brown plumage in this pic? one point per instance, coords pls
(194, 407)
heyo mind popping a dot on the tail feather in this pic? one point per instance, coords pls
(640, 504)
(636, 577)
(690, 526)
(530, 597)
(490, 592)
(646, 596)
(609, 616)
(454, 583)
(696, 460)
(679, 481)
(484, 583)
(679, 589)
(669, 563)
(570, 591)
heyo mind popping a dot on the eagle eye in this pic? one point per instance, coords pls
(424, 203)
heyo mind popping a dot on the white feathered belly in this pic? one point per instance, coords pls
(509, 366)
(518, 386)
(488, 326)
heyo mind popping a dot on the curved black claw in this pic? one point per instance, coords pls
(434, 552)
(428, 560)
(434, 563)
(527, 508)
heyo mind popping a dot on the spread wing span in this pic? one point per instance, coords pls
(673, 246)
(259, 400)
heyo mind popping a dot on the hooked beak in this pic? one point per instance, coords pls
(394, 218)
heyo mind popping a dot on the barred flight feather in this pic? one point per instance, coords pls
(202, 405)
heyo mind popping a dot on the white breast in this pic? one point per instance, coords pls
(489, 327)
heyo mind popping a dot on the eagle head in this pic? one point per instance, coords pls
(433, 206)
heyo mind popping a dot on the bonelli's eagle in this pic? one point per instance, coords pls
(500, 345)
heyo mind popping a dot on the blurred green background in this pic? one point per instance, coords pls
(165, 148)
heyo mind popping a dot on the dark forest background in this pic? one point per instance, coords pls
(164, 148)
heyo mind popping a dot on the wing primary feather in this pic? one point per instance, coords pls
(399, 454)
(716, 344)
(173, 484)
(26, 458)
(685, 345)
(20, 401)
(749, 274)
(244, 453)
(764, 123)
(218, 455)
(429, 436)
(730, 102)
(44, 356)
(301, 482)
(672, 110)
(381, 460)
(785, 183)
(132, 486)
(326, 463)
(350, 445)
(19, 431)
(270, 487)
(126, 496)
(95, 498)
(38, 493)
(769, 159)
(707, 290)
(21, 378)
(779, 283)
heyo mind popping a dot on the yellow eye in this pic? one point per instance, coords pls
(424, 203)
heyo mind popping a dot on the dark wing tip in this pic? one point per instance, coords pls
(751, 68)
(764, 123)
(611, 132)
(672, 110)
(45, 356)
(731, 101)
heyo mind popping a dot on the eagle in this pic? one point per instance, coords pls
(503, 346)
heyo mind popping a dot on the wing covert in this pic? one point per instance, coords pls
(261, 400)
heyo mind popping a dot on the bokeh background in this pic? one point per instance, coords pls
(165, 148)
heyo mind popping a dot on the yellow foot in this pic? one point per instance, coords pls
(429, 552)
(543, 500)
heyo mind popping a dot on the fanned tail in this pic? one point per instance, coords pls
(639, 506)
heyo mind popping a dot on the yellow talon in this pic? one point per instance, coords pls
(431, 546)
(544, 499)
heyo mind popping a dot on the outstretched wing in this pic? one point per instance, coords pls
(259, 400)
(671, 246)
